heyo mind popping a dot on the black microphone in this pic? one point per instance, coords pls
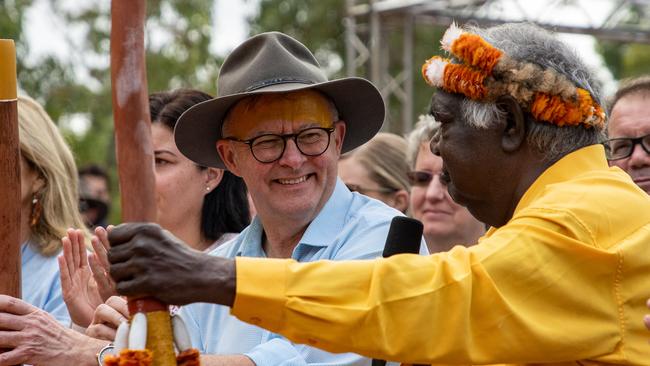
(404, 236)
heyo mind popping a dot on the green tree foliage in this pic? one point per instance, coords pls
(177, 40)
(625, 60)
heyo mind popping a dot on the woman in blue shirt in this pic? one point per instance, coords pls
(49, 205)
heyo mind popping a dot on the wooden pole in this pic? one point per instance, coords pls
(135, 151)
(9, 173)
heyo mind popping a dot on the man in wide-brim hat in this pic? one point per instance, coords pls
(281, 125)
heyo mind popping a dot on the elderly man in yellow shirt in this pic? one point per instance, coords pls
(560, 278)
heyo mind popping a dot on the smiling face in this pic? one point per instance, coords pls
(294, 187)
(479, 174)
(630, 119)
(446, 223)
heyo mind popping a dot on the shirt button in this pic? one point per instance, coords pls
(255, 320)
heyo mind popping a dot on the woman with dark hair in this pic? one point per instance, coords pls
(202, 206)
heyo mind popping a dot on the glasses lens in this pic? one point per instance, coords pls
(618, 148)
(313, 141)
(419, 177)
(267, 148)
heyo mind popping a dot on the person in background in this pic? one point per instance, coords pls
(94, 194)
(378, 169)
(628, 146)
(205, 207)
(49, 205)
(446, 223)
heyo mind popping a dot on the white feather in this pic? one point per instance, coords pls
(138, 333)
(450, 36)
(121, 338)
(435, 71)
(181, 335)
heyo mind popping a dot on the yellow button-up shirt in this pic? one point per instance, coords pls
(564, 281)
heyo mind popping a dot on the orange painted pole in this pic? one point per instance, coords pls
(9, 173)
(135, 152)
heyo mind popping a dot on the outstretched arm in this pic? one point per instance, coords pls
(145, 258)
(36, 338)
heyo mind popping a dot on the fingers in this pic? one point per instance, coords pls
(10, 322)
(15, 306)
(67, 255)
(101, 331)
(119, 304)
(133, 287)
(102, 235)
(124, 233)
(15, 356)
(74, 238)
(64, 275)
(104, 314)
(105, 284)
(100, 252)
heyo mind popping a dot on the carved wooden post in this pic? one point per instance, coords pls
(9, 173)
(135, 151)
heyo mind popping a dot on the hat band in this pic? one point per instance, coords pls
(275, 81)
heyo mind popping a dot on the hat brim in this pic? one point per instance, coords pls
(358, 102)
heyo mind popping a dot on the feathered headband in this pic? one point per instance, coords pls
(487, 73)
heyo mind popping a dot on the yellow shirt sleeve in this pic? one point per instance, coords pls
(546, 295)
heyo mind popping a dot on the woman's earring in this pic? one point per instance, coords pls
(37, 209)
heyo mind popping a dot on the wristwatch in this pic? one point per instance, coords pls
(107, 350)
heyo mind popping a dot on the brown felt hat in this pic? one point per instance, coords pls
(274, 63)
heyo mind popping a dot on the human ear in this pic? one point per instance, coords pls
(514, 130)
(224, 148)
(213, 178)
(339, 135)
(401, 200)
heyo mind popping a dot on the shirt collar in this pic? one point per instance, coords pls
(319, 233)
(330, 220)
(571, 165)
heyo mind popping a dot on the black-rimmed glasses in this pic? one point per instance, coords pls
(270, 147)
(622, 147)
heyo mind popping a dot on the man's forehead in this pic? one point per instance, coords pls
(443, 102)
(630, 116)
(261, 112)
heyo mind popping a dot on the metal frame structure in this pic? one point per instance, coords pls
(369, 23)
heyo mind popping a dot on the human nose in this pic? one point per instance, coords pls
(435, 190)
(291, 157)
(639, 158)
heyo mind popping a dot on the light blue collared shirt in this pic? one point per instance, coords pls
(350, 226)
(41, 285)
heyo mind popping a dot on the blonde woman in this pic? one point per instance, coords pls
(446, 223)
(49, 205)
(378, 169)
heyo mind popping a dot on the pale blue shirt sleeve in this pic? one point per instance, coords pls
(41, 283)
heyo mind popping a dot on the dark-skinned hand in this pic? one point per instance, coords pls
(147, 260)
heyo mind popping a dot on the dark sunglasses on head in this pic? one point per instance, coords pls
(419, 177)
